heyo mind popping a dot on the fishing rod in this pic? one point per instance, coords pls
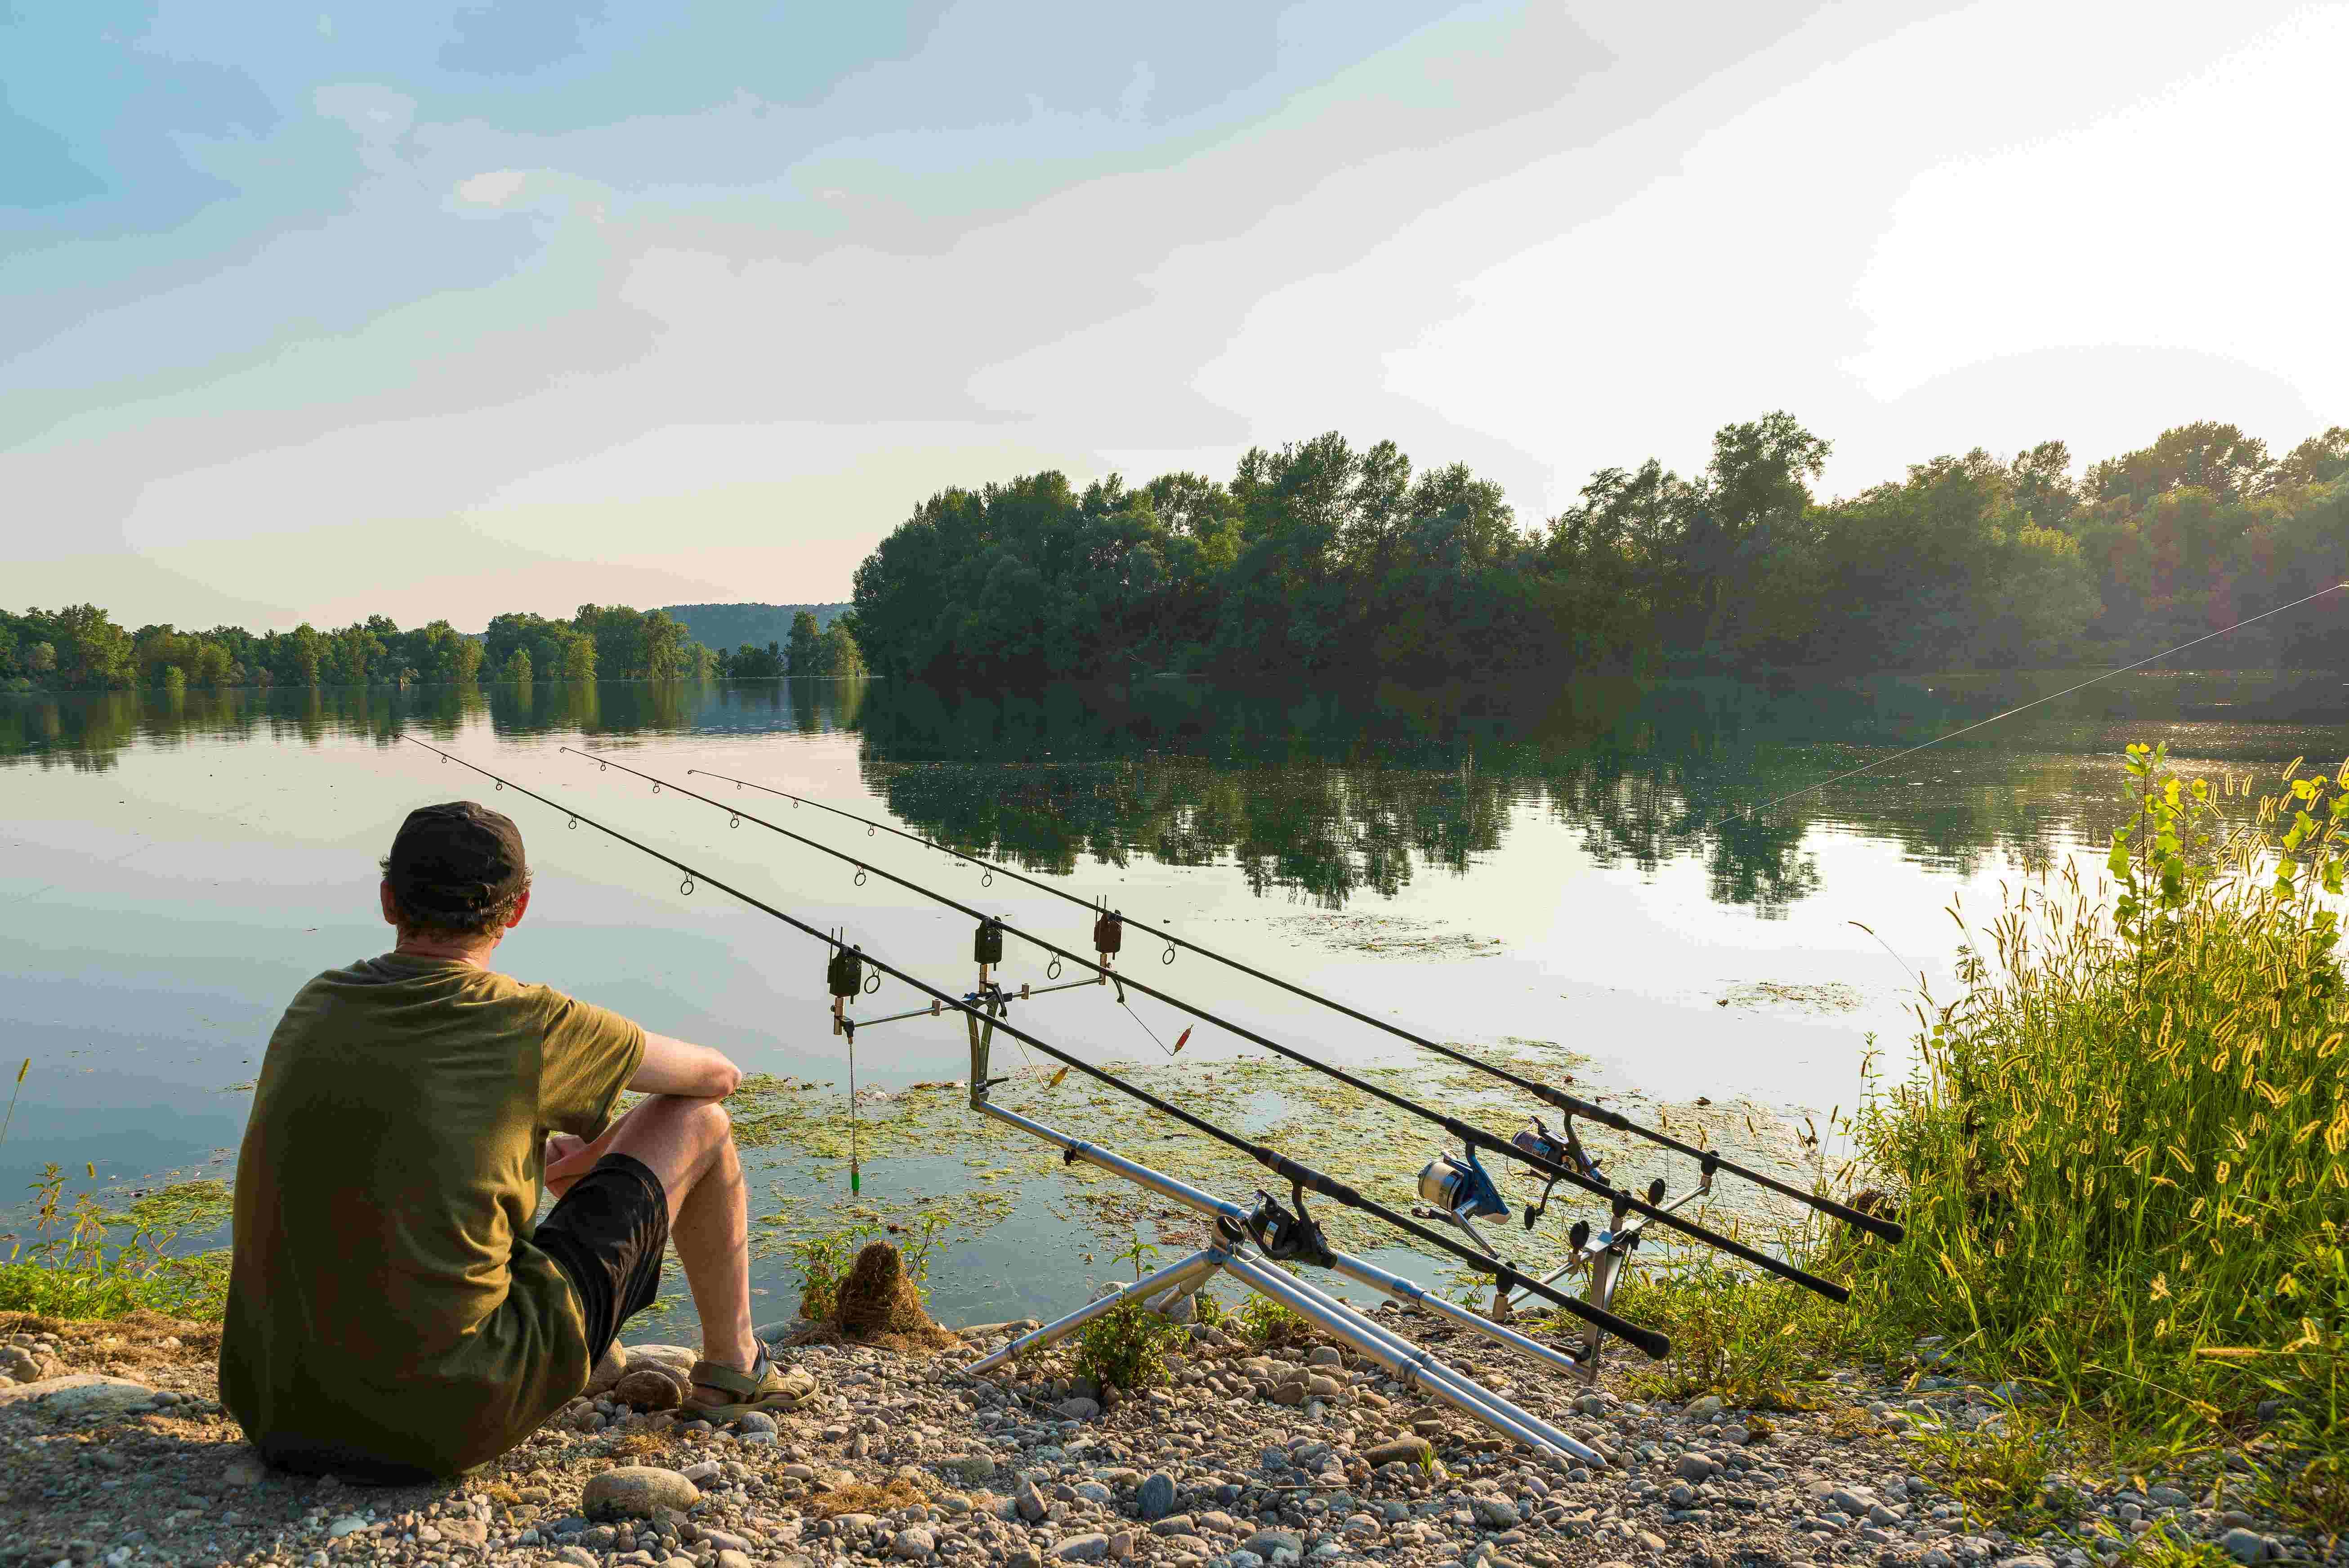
(1471, 1137)
(1570, 1104)
(1302, 1178)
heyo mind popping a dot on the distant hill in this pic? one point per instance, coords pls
(755, 625)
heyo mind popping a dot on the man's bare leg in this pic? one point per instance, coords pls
(689, 1144)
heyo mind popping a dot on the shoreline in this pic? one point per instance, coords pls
(1269, 1455)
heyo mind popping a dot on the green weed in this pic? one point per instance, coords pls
(1126, 1346)
(68, 1270)
(2121, 1161)
(1260, 1320)
(823, 1261)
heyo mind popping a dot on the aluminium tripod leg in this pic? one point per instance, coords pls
(1409, 1363)
(1191, 1270)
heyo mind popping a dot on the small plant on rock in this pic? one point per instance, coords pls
(824, 1260)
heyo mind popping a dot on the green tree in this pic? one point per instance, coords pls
(517, 667)
(839, 655)
(805, 656)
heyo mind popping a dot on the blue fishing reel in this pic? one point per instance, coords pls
(1461, 1187)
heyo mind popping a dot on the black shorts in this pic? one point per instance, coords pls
(608, 1232)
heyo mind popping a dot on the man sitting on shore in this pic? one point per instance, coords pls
(392, 1314)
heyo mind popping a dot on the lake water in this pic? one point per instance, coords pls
(1566, 878)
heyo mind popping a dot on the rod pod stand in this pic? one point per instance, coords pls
(1230, 1253)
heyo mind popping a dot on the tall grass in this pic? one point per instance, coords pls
(2121, 1160)
(69, 1269)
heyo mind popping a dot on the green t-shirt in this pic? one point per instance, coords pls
(386, 1303)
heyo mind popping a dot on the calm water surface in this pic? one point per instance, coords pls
(1567, 875)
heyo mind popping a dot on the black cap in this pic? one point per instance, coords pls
(456, 862)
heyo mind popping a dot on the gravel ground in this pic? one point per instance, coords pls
(117, 1452)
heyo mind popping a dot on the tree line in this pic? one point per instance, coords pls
(1322, 558)
(80, 647)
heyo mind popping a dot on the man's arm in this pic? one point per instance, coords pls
(678, 1067)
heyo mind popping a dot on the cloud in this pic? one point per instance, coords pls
(494, 188)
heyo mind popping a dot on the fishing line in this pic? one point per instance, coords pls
(1572, 1104)
(1301, 1177)
(1749, 812)
(1472, 1136)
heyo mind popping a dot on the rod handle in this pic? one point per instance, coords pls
(1888, 1230)
(1654, 1344)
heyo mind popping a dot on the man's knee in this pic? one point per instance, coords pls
(704, 1123)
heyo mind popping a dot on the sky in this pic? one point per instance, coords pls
(440, 310)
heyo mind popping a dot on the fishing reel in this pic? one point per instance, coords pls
(1287, 1236)
(1560, 1148)
(1459, 1188)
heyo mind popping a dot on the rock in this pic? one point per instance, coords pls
(79, 1393)
(1121, 1544)
(1704, 1408)
(1157, 1497)
(757, 1421)
(650, 1388)
(607, 1371)
(1323, 1387)
(1399, 1450)
(2168, 1497)
(1325, 1356)
(1694, 1467)
(634, 1491)
(1736, 1437)
(1024, 1557)
(1079, 1408)
(1028, 1502)
(2029, 1561)
(1089, 1547)
(1270, 1545)
(1495, 1512)
(1176, 1524)
(1289, 1394)
(349, 1525)
(913, 1543)
(727, 1557)
(2243, 1545)
(578, 1557)
(703, 1472)
(466, 1532)
(1855, 1500)
(971, 1470)
(1359, 1528)
(1177, 1305)
(244, 1469)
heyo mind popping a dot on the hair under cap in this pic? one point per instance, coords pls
(456, 861)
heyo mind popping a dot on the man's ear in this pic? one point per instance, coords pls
(521, 909)
(391, 904)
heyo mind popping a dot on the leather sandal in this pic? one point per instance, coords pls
(722, 1394)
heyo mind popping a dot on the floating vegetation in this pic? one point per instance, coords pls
(191, 1206)
(925, 1151)
(1392, 936)
(1833, 996)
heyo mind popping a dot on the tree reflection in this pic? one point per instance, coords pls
(1330, 794)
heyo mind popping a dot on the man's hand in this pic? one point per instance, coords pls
(677, 1068)
(569, 1158)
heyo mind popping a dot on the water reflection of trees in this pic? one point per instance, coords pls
(1331, 796)
(90, 730)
